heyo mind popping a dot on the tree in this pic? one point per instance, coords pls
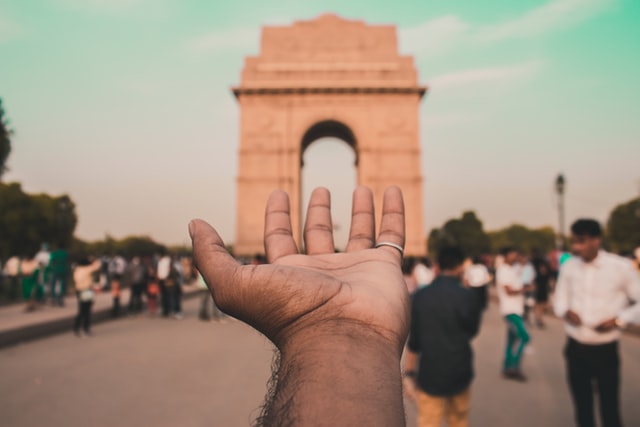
(623, 227)
(465, 232)
(27, 221)
(128, 247)
(526, 239)
(5, 141)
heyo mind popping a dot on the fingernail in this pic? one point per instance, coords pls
(191, 229)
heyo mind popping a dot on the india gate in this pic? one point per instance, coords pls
(327, 77)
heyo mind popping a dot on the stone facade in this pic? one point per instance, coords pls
(319, 78)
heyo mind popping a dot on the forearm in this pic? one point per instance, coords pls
(560, 305)
(337, 379)
(631, 314)
(512, 291)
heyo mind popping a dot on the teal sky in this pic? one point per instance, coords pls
(125, 105)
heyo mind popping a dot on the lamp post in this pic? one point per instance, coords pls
(560, 187)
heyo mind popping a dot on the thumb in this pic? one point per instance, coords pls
(216, 265)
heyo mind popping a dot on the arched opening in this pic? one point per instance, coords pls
(329, 159)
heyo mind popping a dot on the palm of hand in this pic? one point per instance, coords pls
(320, 292)
(299, 292)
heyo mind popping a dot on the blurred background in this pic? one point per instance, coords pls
(125, 106)
(118, 125)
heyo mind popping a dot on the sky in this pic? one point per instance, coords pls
(125, 105)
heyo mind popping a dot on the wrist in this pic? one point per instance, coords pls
(338, 335)
(324, 373)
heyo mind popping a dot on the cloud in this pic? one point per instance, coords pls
(448, 32)
(226, 40)
(433, 37)
(555, 15)
(486, 75)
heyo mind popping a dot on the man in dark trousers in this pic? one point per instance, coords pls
(597, 294)
(445, 316)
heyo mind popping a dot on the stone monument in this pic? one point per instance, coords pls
(327, 77)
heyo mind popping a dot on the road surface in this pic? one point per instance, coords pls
(142, 371)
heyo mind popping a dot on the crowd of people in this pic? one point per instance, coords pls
(596, 293)
(154, 282)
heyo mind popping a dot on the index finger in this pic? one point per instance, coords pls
(278, 235)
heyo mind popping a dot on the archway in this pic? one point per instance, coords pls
(329, 159)
(328, 77)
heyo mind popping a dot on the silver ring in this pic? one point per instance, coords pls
(393, 245)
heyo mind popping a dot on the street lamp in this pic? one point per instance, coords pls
(560, 187)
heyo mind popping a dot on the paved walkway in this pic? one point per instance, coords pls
(18, 325)
(142, 371)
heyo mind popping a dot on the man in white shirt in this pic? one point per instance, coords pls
(477, 278)
(42, 258)
(511, 295)
(593, 297)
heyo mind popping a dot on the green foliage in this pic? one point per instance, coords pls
(623, 227)
(27, 221)
(465, 232)
(180, 250)
(127, 247)
(524, 238)
(5, 141)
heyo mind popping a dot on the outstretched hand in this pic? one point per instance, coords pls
(298, 296)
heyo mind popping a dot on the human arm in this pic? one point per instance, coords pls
(96, 265)
(504, 280)
(510, 290)
(561, 304)
(632, 313)
(339, 320)
(632, 288)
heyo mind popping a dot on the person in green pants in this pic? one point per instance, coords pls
(511, 294)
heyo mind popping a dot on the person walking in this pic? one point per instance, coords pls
(597, 295)
(59, 270)
(117, 267)
(511, 295)
(83, 278)
(136, 273)
(43, 257)
(543, 278)
(445, 316)
(162, 272)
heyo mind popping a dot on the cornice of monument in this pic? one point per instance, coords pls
(242, 91)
